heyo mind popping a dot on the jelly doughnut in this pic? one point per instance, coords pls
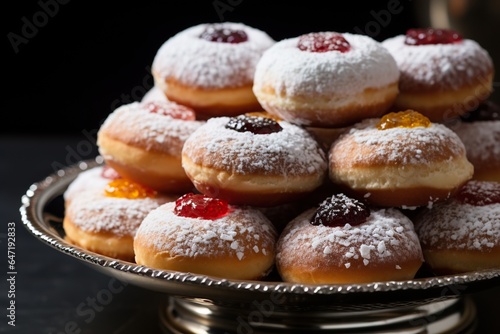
(105, 221)
(210, 68)
(143, 142)
(443, 75)
(253, 160)
(205, 235)
(326, 79)
(462, 234)
(343, 240)
(399, 160)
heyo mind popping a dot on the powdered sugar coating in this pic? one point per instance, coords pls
(388, 236)
(439, 66)
(242, 232)
(292, 72)
(97, 213)
(154, 94)
(402, 146)
(455, 225)
(90, 179)
(137, 126)
(200, 63)
(292, 151)
(481, 140)
(479, 193)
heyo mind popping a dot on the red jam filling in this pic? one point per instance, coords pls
(200, 206)
(425, 36)
(171, 109)
(109, 173)
(122, 188)
(479, 193)
(323, 42)
(255, 124)
(339, 210)
(222, 34)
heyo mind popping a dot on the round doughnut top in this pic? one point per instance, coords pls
(135, 125)
(387, 236)
(457, 225)
(197, 62)
(90, 179)
(439, 66)
(364, 144)
(291, 151)
(290, 71)
(481, 140)
(242, 231)
(98, 213)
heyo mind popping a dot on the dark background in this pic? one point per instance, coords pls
(70, 63)
(84, 59)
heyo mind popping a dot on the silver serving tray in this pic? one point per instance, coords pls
(42, 211)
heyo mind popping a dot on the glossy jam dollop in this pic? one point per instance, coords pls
(255, 124)
(403, 119)
(110, 173)
(479, 193)
(172, 109)
(323, 42)
(222, 34)
(200, 206)
(123, 188)
(486, 111)
(426, 36)
(339, 210)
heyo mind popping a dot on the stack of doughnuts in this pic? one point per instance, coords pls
(326, 158)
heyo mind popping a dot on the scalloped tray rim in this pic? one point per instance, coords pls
(31, 212)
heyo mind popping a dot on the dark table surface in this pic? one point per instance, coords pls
(55, 293)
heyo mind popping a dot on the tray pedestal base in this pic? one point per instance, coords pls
(201, 316)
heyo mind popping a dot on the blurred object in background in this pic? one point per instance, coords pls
(478, 20)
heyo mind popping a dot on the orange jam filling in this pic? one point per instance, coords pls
(122, 188)
(403, 119)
